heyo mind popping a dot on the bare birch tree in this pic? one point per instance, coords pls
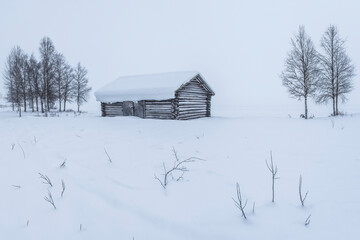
(301, 72)
(336, 70)
(14, 75)
(47, 52)
(60, 71)
(81, 85)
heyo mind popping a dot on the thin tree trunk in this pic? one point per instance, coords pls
(59, 105)
(306, 108)
(37, 103)
(42, 105)
(19, 109)
(32, 104)
(64, 104)
(24, 104)
(337, 101)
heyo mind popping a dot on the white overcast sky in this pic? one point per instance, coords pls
(238, 45)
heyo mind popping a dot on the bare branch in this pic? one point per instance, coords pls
(50, 199)
(307, 221)
(108, 155)
(239, 201)
(302, 199)
(46, 179)
(179, 168)
(273, 169)
(63, 164)
(63, 187)
(22, 150)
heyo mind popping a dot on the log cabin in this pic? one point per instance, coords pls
(177, 95)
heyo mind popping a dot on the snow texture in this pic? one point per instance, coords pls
(122, 200)
(159, 86)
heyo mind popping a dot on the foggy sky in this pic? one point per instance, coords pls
(238, 46)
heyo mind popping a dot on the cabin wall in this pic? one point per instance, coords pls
(163, 109)
(112, 109)
(192, 101)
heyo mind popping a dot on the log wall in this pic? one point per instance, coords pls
(163, 109)
(192, 101)
(112, 109)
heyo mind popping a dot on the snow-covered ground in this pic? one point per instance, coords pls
(122, 200)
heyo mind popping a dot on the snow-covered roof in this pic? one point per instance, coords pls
(144, 87)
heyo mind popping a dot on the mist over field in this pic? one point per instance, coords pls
(238, 46)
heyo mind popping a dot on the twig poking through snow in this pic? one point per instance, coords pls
(307, 221)
(178, 166)
(46, 179)
(63, 164)
(302, 199)
(27, 223)
(50, 199)
(12, 146)
(80, 227)
(16, 186)
(253, 210)
(108, 155)
(273, 169)
(22, 150)
(239, 202)
(63, 187)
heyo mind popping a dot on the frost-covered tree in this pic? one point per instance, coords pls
(15, 78)
(60, 71)
(34, 81)
(68, 87)
(81, 88)
(301, 72)
(47, 54)
(337, 70)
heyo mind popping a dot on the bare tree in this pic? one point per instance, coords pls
(177, 168)
(301, 72)
(81, 85)
(68, 87)
(14, 75)
(239, 203)
(47, 52)
(9, 80)
(60, 71)
(336, 70)
(273, 169)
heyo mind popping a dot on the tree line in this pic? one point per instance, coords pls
(325, 76)
(45, 84)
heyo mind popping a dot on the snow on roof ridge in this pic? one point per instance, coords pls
(155, 86)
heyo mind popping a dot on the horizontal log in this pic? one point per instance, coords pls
(191, 114)
(192, 90)
(186, 102)
(185, 115)
(157, 102)
(193, 105)
(106, 104)
(191, 93)
(192, 111)
(160, 117)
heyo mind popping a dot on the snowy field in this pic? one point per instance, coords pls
(122, 200)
